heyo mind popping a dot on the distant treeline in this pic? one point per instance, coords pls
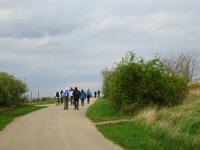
(11, 90)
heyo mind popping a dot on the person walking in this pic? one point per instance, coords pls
(61, 97)
(57, 96)
(82, 97)
(95, 94)
(76, 95)
(66, 98)
(98, 92)
(71, 96)
(89, 94)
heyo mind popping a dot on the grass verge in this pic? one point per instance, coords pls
(10, 114)
(101, 110)
(174, 128)
(135, 135)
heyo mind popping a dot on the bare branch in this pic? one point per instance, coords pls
(186, 65)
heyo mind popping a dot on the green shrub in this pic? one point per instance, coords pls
(11, 90)
(135, 82)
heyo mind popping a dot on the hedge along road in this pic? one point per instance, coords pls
(53, 128)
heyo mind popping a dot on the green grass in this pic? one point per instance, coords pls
(9, 114)
(139, 136)
(184, 119)
(170, 128)
(103, 111)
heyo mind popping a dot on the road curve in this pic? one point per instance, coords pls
(53, 128)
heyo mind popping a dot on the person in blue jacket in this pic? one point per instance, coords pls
(89, 94)
(82, 97)
(66, 98)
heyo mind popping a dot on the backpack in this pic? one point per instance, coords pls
(57, 94)
(89, 94)
(83, 95)
(66, 93)
(76, 93)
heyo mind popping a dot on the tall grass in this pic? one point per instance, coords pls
(183, 118)
(136, 135)
(194, 85)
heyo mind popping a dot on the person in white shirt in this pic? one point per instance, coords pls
(71, 96)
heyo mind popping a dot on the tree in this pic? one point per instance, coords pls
(186, 65)
(11, 90)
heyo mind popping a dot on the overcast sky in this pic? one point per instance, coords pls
(53, 44)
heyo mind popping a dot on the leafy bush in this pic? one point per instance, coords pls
(11, 90)
(135, 82)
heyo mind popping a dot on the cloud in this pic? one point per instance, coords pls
(54, 43)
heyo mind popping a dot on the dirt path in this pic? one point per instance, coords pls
(114, 121)
(53, 128)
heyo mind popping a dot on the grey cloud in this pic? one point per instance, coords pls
(38, 28)
(57, 43)
(40, 20)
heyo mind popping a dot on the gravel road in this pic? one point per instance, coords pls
(53, 128)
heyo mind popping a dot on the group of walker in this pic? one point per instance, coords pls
(73, 95)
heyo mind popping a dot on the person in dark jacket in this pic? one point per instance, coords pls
(98, 92)
(76, 94)
(57, 96)
(82, 97)
(95, 94)
(61, 97)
